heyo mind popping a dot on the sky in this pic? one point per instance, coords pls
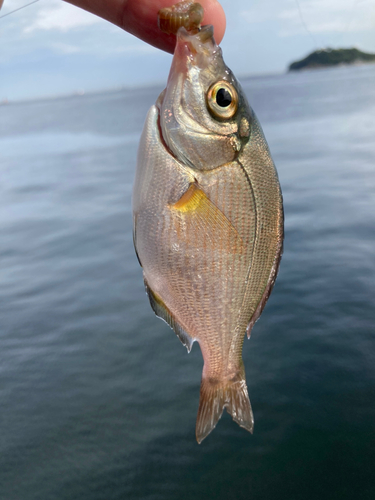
(53, 48)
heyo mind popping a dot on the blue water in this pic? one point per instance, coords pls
(98, 398)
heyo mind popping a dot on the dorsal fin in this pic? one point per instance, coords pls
(162, 311)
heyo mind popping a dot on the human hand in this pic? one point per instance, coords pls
(139, 17)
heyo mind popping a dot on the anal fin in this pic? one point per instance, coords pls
(162, 311)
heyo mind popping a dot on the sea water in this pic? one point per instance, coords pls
(98, 398)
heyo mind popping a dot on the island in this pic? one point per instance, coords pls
(325, 58)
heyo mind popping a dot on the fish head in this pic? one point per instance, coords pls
(204, 115)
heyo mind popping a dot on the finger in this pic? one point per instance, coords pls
(139, 17)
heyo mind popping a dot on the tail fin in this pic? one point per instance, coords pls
(219, 394)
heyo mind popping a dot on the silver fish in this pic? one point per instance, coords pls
(208, 219)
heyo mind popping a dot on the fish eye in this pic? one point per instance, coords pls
(222, 100)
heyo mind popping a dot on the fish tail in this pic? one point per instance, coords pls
(218, 394)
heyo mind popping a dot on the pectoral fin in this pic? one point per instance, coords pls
(196, 208)
(162, 311)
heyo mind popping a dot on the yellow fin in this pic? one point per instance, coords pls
(191, 200)
(195, 206)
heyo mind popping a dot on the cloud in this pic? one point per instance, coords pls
(327, 16)
(317, 16)
(257, 14)
(61, 16)
(64, 48)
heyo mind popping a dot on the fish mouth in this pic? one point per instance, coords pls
(202, 39)
(193, 49)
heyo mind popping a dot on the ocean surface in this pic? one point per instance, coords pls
(98, 398)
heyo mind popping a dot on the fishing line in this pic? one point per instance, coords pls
(305, 25)
(19, 8)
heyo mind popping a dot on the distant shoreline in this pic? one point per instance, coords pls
(341, 65)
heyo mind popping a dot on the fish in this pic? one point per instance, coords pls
(207, 219)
